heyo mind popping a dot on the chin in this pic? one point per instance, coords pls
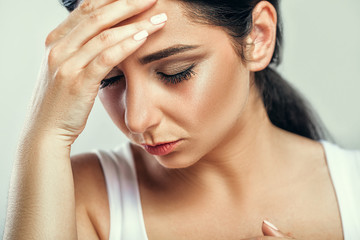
(175, 160)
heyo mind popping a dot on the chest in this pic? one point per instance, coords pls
(226, 223)
(304, 214)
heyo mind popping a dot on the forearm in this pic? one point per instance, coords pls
(78, 58)
(41, 198)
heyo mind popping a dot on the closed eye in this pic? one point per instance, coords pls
(178, 77)
(166, 78)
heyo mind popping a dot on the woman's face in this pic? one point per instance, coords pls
(200, 106)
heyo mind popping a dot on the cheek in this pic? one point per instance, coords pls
(215, 99)
(209, 107)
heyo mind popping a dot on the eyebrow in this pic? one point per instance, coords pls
(167, 52)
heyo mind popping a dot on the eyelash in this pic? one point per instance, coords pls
(110, 81)
(167, 79)
(179, 77)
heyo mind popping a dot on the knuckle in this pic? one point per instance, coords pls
(53, 55)
(123, 48)
(62, 73)
(107, 58)
(140, 26)
(95, 16)
(105, 36)
(86, 7)
(126, 47)
(50, 38)
(133, 3)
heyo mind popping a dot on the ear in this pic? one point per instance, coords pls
(261, 40)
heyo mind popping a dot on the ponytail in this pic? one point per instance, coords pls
(286, 108)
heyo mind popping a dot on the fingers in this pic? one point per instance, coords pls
(113, 36)
(97, 21)
(270, 233)
(265, 238)
(92, 48)
(269, 229)
(102, 19)
(81, 12)
(92, 16)
(111, 47)
(108, 59)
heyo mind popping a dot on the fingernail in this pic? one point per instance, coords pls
(141, 35)
(271, 225)
(158, 19)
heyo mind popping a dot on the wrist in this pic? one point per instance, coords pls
(44, 141)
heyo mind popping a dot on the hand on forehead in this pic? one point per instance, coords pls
(173, 10)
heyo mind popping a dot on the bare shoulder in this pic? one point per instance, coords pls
(92, 208)
(300, 146)
(319, 217)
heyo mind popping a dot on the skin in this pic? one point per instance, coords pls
(232, 168)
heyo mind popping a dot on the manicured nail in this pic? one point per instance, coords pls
(141, 35)
(158, 19)
(271, 225)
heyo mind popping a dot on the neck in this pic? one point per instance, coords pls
(243, 160)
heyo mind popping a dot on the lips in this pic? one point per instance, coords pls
(162, 148)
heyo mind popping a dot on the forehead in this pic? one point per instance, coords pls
(171, 7)
(179, 29)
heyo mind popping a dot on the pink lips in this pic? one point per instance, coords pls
(161, 149)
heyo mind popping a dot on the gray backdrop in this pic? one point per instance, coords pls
(321, 58)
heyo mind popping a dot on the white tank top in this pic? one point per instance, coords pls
(126, 218)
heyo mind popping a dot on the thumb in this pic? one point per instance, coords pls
(269, 229)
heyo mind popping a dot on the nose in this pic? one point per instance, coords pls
(141, 111)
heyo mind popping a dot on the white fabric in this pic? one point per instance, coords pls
(344, 167)
(127, 222)
(126, 219)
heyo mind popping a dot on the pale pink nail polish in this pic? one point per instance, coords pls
(271, 225)
(158, 19)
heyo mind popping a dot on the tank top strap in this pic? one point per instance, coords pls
(126, 218)
(344, 168)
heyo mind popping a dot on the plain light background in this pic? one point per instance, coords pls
(321, 59)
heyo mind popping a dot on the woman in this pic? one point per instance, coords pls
(219, 142)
